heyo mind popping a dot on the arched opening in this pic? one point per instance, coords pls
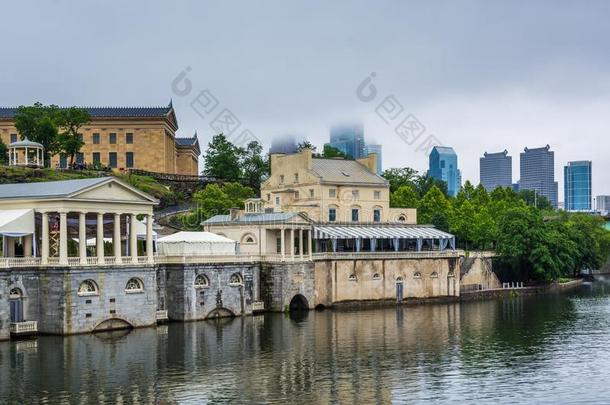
(88, 287)
(112, 324)
(16, 305)
(202, 281)
(320, 307)
(298, 303)
(219, 313)
(248, 239)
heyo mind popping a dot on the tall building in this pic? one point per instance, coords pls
(577, 186)
(283, 144)
(349, 139)
(602, 203)
(443, 165)
(376, 149)
(538, 172)
(496, 170)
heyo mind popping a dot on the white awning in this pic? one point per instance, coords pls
(378, 232)
(196, 243)
(17, 222)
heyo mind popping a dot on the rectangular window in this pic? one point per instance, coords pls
(277, 200)
(129, 159)
(355, 194)
(376, 215)
(268, 197)
(80, 137)
(332, 193)
(13, 138)
(112, 160)
(354, 214)
(129, 138)
(281, 179)
(296, 177)
(96, 157)
(311, 193)
(332, 214)
(296, 195)
(278, 245)
(96, 139)
(80, 158)
(377, 195)
(63, 161)
(112, 138)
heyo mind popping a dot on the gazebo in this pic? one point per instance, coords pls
(26, 153)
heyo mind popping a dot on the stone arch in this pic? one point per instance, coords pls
(112, 324)
(220, 313)
(298, 303)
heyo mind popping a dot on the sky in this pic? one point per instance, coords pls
(476, 75)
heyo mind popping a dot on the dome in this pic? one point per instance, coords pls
(26, 143)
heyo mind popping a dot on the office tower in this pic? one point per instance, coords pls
(443, 165)
(537, 171)
(577, 186)
(349, 139)
(376, 149)
(602, 203)
(283, 144)
(496, 170)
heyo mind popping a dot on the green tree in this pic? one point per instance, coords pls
(532, 197)
(70, 120)
(253, 165)
(398, 177)
(332, 152)
(222, 159)
(306, 145)
(404, 197)
(434, 209)
(425, 183)
(3, 152)
(38, 124)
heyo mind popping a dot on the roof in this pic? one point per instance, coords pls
(252, 218)
(344, 171)
(378, 232)
(25, 143)
(60, 189)
(444, 149)
(192, 237)
(190, 142)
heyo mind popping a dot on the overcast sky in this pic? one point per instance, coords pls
(479, 75)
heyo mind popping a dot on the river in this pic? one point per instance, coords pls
(544, 349)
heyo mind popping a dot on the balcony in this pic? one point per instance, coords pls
(24, 328)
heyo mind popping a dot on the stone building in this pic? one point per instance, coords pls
(331, 190)
(124, 138)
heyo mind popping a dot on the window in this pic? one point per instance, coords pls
(13, 138)
(268, 197)
(112, 160)
(63, 161)
(450, 274)
(236, 279)
(278, 245)
(332, 193)
(377, 194)
(15, 293)
(417, 274)
(442, 164)
(434, 274)
(277, 200)
(332, 214)
(96, 138)
(134, 285)
(296, 195)
(112, 138)
(399, 279)
(376, 215)
(402, 218)
(80, 137)
(355, 214)
(201, 281)
(129, 159)
(96, 158)
(376, 276)
(281, 179)
(296, 177)
(129, 138)
(355, 194)
(80, 158)
(88, 287)
(352, 277)
(311, 193)
(248, 238)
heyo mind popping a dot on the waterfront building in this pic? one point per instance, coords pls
(577, 186)
(496, 170)
(349, 139)
(602, 203)
(443, 165)
(377, 150)
(126, 138)
(331, 190)
(537, 172)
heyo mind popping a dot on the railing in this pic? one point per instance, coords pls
(10, 262)
(435, 254)
(22, 328)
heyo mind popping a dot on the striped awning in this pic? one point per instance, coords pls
(378, 232)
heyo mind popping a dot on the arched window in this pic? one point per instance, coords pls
(201, 281)
(399, 279)
(248, 238)
(376, 276)
(134, 285)
(417, 274)
(352, 277)
(15, 293)
(434, 274)
(88, 287)
(402, 218)
(236, 279)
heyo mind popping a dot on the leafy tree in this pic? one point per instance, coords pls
(306, 145)
(532, 197)
(425, 183)
(332, 152)
(38, 124)
(222, 159)
(404, 197)
(398, 177)
(3, 152)
(253, 165)
(70, 120)
(435, 209)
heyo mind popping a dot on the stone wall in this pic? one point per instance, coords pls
(338, 281)
(476, 273)
(4, 309)
(185, 301)
(282, 282)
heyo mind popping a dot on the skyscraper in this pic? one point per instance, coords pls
(443, 165)
(283, 144)
(376, 149)
(349, 139)
(496, 170)
(602, 203)
(577, 186)
(538, 172)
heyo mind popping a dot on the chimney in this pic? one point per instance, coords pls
(233, 214)
(370, 162)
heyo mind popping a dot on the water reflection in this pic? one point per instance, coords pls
(532, 349)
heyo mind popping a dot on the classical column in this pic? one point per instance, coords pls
(44, 253)
(133, 238)
(27, 245)
(82, 237)
(63, 238)
(301, 243)
(309, 249)
(292, 244)
(282, 244)
(100, 238)
(149, 239)
(116, 239)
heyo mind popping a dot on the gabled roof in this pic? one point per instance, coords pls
(345, 171)
(62, 189)
(444, 149)
(271, 217)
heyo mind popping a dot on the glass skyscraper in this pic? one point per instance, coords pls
(376, 149)
(496, 170)
(443, 165)
(577, 186)
(349, 139)
(538, 172)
